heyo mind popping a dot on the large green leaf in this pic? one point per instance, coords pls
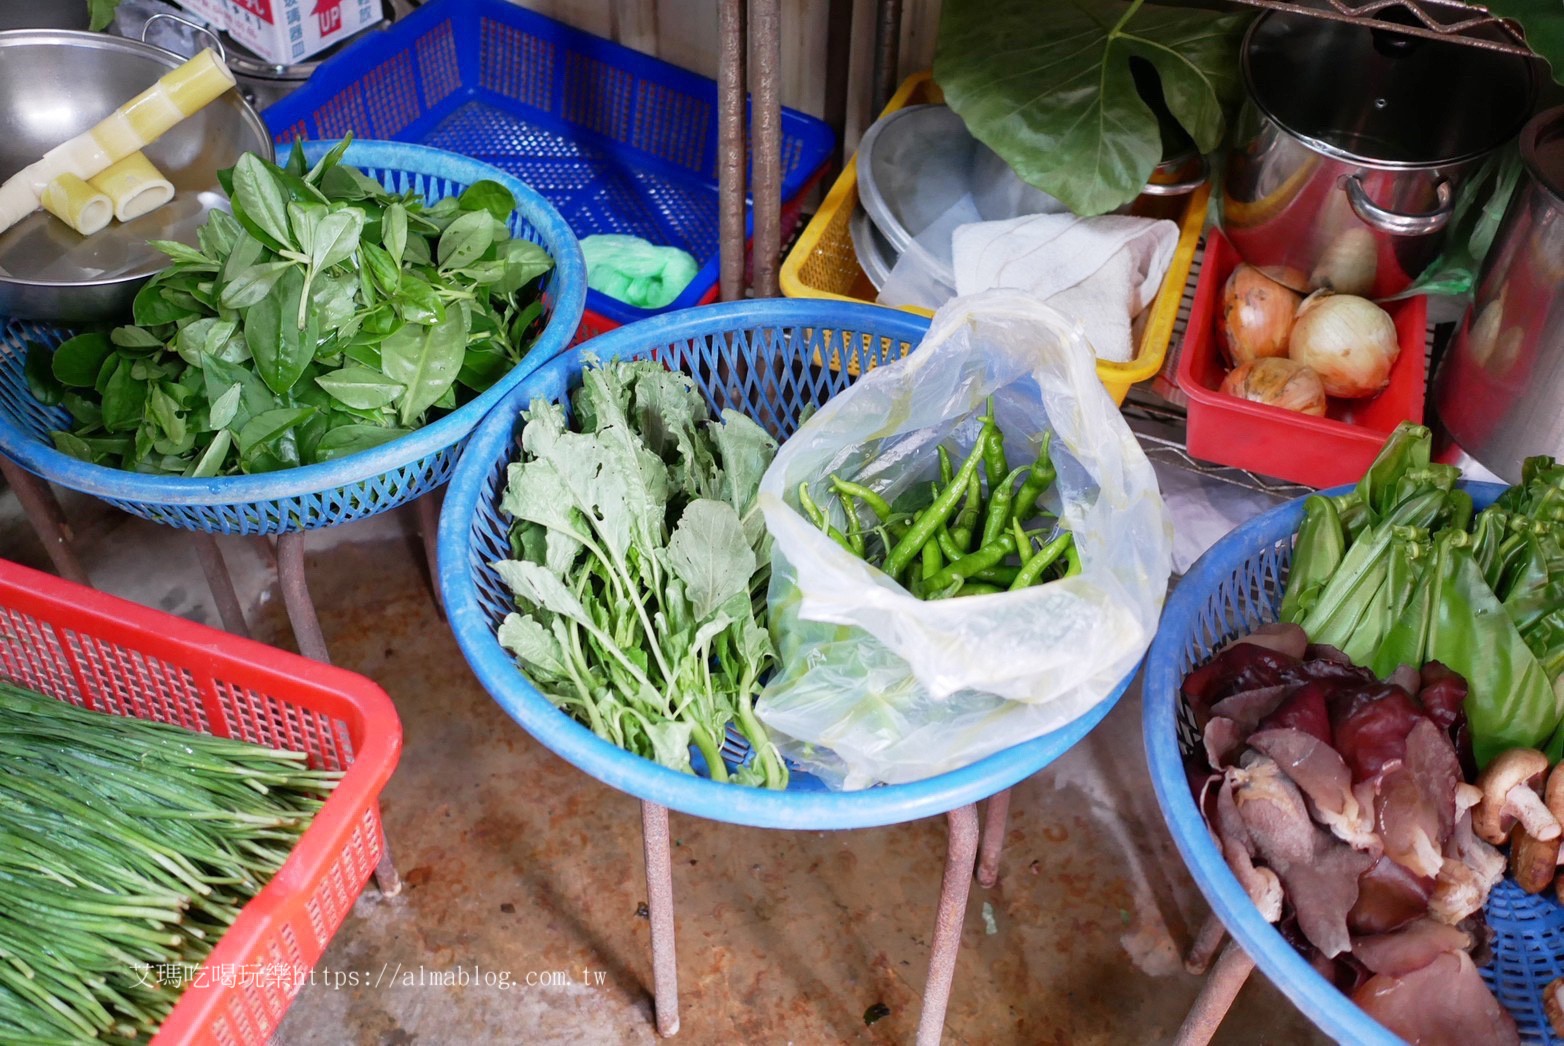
(1543, 22)
(1050, 87)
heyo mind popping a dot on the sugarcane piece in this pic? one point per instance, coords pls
(180, 93)
(78, 204)
(134, 186)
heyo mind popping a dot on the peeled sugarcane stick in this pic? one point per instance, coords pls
(134, 186)
(139, 122)
(77, 204)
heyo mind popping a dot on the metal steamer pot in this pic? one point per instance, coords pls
(1500, 389)
(1352, 145)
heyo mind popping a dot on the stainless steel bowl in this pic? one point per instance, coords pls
(54, 84)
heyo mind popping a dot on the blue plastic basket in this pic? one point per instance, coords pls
(1235, 587)
(333, 492)
(620, 142)
(770, 360)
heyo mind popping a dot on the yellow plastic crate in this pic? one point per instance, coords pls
(823, 264)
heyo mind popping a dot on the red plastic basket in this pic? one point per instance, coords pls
(104, 653)
(1321, 452)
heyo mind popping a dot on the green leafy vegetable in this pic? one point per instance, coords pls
(640, 568)
(1052, 88)
(312, 323)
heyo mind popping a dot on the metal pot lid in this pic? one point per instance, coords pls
(1542, 150)
(1384, 99)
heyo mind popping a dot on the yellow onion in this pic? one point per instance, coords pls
(1257, 314)
(1278, 381)
(1349, 342)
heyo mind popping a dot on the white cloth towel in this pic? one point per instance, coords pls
(1102, 271)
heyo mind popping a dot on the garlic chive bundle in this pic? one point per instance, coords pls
(139, 122)
(134, 186)
(77, 204)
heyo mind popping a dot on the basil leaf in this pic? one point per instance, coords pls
(466, 239)
(525, 261)
(251, 285)
(483, 366)
(360, 387)
(280, 348)
(336, 237)
(350, 439)
(88, 413)
(418, 301)
(349, 183)
(210, 463)
(247, 251)
(135, 338)
(165, 413)
(331, 159)
(394, 232)
(152, 309)
(264, 428)
(417, 252)
(426, 360)
(225, 408)
(75, 446)
(295, 164)
(259, 190)
(39, 372)
(382, 268)
(302, 219)
(182, 253)
(78, 360)
(217, 236)
(488, 195)
(124, 399)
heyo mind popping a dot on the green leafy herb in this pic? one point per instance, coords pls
(325, 316)
(640, 568)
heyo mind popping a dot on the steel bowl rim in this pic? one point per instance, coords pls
(103, 41)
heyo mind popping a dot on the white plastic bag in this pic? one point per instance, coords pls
(876, 685)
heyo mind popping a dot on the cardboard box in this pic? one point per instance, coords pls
(287, 32)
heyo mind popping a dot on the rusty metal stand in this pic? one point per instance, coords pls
(48, 520)
(221, 583)
(1222, 985)
(730, 147)
(659, 905)
(429, 530)
(955, 887)
(1207, 941)
(766, 134)
(312, 644)
(996, 815)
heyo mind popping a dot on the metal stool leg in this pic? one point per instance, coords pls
(960, 856)
(312, 644)
(1207, 941)
(221, 583)
(996, 816)
(659, 903)
(44, 513)
(429, 529)
(1216, 998)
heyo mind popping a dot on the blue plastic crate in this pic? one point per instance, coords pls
(1234, 588)
(771, 360)
(331, 492)
(618, 141)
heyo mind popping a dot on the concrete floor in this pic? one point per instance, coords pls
(518, 864)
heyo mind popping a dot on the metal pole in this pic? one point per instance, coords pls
(312, 644)
(429, 529)
(960, 856)
(48, 520)
(838, 58)
(1207, 941)
(221, 583)
(659, 903)
(1216, 998)
(731, 146)
(887, 52)
(996, 815)
(766, 40)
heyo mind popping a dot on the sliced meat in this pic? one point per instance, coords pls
(1370, 725)
(1471, 869)
(1407, 678)
(1240, 667)
(1410, 948)
(1223, 740)
(1304, 709)
(1389, 897)
(1249, 707)
(1232, 835)
(1442, 693)
(1414, 809)
(1442, 1004)
(1319, 772)
(1280, 636)
(1329, 664)
(1320, 873)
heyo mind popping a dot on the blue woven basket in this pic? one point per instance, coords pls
(619, 141)
(770, 360)
(337, 491)
(1235, 587)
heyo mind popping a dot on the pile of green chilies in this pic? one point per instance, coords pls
(127, 846)
(970, 537)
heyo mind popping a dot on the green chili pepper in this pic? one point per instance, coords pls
(817, 517)
(877, 504)
(948, 546)
(993, 448)
(932, 518)
(967, 521)
(988, 556)
(1000, 500)
(1073, 554)
(854, 525)
(977, 588)
(946, 469)
(933, 559)
(1032, 572)
(1023, 543)
(997, 575)
(1037, 484)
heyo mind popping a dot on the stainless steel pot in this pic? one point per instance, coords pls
(1352, 145)
(1500, 389)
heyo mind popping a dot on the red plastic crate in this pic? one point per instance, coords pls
(1320, 452)
(107, 654)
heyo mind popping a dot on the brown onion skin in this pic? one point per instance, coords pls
(1257, 315)
(1280, 382)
